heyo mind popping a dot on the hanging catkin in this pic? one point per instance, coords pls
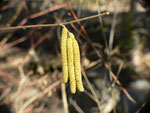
(64, 55)
(77, 68)
(71, 66)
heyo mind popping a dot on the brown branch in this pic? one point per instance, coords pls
(47, 11)
(15, 16)
(83, 29)
(50, 25)
(75, 17)
(118, 82)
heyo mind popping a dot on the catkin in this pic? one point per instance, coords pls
(71, 66)
(77, 67)
(64, 55)
(71, 61)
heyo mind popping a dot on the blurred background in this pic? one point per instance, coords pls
(115, 56)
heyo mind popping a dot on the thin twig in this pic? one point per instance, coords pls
(35, 97)
(22, 39)
(37, 81)
(64, 97)
(118, 72)
(79, 32)
(83, 29)
(75, 17)
(41, 13)
(75, 105)
(90, 95)
(140, 109)
(47, 11)
(112, 31)
(118, 82)
(50, 25)
(91, 88)
(12, 19)
(15, 16)
(5, 39)
(102, 26)
(8, 45)
(42, 38)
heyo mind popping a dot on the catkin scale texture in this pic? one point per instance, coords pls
(64, 55)
(71, 66)
(77, 66)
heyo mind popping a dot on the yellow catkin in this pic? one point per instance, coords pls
(64, 55)
(77, 65)
(71, 66)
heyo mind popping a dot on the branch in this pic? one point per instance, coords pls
(50, 25)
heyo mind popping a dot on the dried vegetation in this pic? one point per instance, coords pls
(115, 57)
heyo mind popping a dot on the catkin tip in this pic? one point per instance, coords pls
(107, 13)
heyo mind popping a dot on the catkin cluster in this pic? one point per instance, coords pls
(71, 61)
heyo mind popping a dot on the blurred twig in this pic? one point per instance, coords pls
(41, 13)
(75, 105)
(92, 90)
(118, 72)
(112, 31)
(79, 32)
(83, 29)
(35, 97)
(10, 21)
(90, 95)
(39, 80)
(19, 9)
(64, 97)
(118, 82)
(140, 109)
(74, 15)
(8, 45)
(42, 38)
(102, 26)
(47, 11)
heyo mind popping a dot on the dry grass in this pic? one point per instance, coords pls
(30, 65)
